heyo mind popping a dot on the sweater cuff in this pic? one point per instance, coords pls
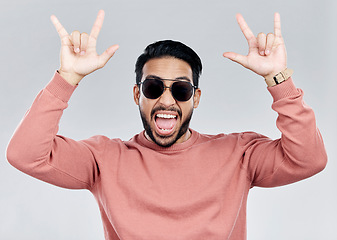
(60, 88)
(283, 90)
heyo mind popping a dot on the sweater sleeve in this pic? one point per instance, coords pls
(298, 154)
(37, 150)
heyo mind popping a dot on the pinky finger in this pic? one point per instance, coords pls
(277, 25)
(105, 57)
(60, 29)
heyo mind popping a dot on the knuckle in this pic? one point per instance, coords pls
(261, 34)
(74, 33)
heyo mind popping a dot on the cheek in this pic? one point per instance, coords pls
(146, 106)
(186, 108)
(142, 101)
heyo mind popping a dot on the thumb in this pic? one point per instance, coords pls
(238, 58)
(105, 57)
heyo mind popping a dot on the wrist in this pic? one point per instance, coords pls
(72, 78)
(275, 79)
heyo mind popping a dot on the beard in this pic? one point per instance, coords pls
(183, 129)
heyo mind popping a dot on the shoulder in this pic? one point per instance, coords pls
(240, 139)
(224, 136)
(101, 142)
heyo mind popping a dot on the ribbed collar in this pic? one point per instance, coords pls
(141, 139)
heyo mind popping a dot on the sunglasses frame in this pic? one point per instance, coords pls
(170, 87)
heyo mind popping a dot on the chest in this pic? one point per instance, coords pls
(169, 194)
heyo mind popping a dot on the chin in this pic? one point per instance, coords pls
(166, 141)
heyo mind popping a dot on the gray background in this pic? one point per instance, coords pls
(233, 99)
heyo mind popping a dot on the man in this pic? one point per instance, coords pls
(169, 182)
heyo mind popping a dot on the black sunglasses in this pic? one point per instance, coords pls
(181, 90)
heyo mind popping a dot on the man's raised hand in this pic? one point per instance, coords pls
(267, 54)
(78, 51)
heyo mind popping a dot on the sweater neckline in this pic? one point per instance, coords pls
(175, 147)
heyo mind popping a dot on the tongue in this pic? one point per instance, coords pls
(166, 123)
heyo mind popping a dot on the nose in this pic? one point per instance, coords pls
(166, 98)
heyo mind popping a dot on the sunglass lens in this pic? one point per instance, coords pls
(153, 88)
(182, 91)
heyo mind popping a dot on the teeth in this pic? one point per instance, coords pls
(165, 130)
(161, 115)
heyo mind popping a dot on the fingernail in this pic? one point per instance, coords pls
(262, 53)
(267, 52)
(82, 53)
(77, 50)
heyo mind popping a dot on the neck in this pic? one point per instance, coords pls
(182, 139)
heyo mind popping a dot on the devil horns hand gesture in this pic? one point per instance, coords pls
(78, 51)
(267, 54)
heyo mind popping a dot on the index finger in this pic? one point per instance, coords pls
(277, 25)
(244, 28)
(96, 28)
(59, 28)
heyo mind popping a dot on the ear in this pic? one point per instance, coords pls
(136, 94)
(196, 97)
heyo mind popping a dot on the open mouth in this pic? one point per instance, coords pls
(165, 123)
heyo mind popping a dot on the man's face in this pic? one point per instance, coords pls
(165, 119)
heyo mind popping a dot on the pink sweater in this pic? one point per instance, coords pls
(194, 190)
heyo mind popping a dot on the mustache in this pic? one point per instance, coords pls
(171, 109)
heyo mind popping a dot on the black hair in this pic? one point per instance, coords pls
(169, 48)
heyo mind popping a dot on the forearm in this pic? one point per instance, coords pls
(40, 124)
(36, 149)
(300, 152)
(301, 139)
